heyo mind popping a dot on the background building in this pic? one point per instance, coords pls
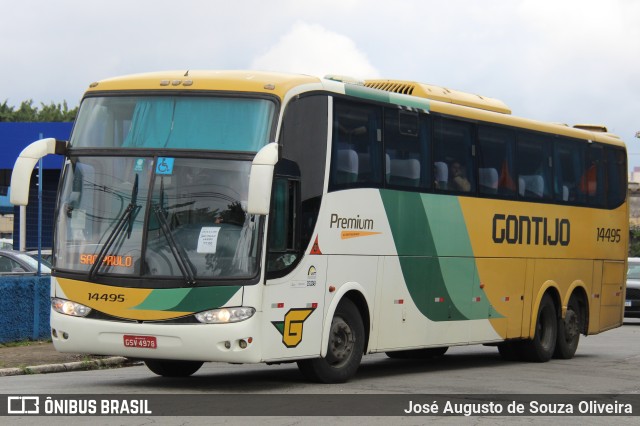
(14, 137)
(634, 197)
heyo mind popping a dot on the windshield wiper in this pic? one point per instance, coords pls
(186, 268)
(125, 220)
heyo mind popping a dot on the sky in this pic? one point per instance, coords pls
(567, 61)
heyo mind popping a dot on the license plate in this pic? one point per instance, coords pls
(627, 303)
(144, 342)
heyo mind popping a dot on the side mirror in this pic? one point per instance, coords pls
(261, 179)
(21, 175)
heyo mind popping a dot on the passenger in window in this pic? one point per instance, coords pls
(458, 180)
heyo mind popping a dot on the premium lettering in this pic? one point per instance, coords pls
(531, 230)
(350, 222)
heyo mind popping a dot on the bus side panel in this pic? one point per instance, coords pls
(429, 301)
(503, 280)
(294, 311)
(398, 321)
(528, 298)
(594, 298)
(612, 294)
(423, 316)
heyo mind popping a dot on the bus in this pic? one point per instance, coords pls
(249, 217)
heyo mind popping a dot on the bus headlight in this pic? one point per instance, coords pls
(225, 315)
(68, 307)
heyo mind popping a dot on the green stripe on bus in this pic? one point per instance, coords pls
(457, 263)
(435, 254)
(418, 256)
(163, 299)
(448, 227)
(366, 93)
(189, 299)
(410, 101)
(408, 220)
(387, 97)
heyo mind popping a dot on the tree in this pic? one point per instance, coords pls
(634, 242)
(5, 111)
(27, 113)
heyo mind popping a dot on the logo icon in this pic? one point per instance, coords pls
(23, 405)
(311, 277)
(291, 327)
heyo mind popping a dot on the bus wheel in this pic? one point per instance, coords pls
(345, 349)
(543, 344)
(425, 353)
(568, 331)
(173, 368)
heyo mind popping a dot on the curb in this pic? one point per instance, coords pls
(94, 364)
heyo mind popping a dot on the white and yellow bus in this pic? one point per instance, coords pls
(250, 217)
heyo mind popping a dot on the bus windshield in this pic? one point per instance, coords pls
(178, 218)
(174, 122)
(139, 205)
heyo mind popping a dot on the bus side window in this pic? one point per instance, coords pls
(593, 178)
(356, 159)
(283, 239)
(616, 177)
(495, 161)
(534, 166)
(569, 170)
(453, 145)
(406, 139)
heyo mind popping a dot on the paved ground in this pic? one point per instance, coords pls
(42, 357)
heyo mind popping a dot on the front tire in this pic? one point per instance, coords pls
(543, 344)
(173, 368)
(345, 348)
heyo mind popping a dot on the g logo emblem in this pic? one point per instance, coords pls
(291, 327)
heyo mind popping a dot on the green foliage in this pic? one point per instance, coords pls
(634, 241)
(27, 113)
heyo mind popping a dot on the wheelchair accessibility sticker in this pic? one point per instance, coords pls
(164, 166)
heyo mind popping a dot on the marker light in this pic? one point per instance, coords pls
(68, 307)
(225, 315)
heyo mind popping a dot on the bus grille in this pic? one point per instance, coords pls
(390, 86)
(189, 319)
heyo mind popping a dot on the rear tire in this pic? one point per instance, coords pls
(568, 331)
(543, 344)
(173, 368)
(345, 348)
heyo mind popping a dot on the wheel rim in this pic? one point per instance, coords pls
(341, 342)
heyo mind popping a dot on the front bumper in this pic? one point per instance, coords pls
(188, 342)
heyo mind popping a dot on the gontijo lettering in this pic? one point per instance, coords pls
(531, 230)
